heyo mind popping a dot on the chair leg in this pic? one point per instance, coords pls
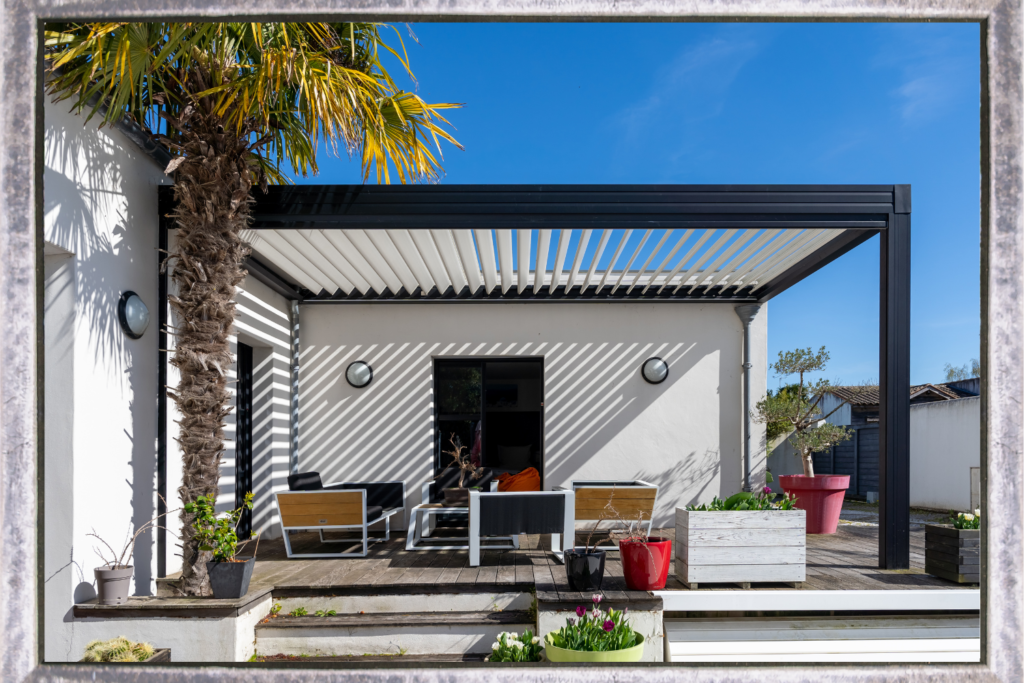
(413, 536)
(366, 540)
(287, 544)
(387, 529)
(556, 543)
(474, 551)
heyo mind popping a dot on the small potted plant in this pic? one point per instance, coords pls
(953, 551)
(121, 649)
(584, 567)
(113, 579)
(645, 560)
(461, 460)
(511, 647)
(595, 636)
(229, 575)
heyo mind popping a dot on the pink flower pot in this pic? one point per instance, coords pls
(821, 497)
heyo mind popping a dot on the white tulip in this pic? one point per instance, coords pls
(969, 517)
(495, 646)
(977, 511)
(536, 640)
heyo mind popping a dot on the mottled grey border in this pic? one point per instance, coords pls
(1002, 358)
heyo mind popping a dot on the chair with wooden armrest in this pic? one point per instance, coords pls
(633, 499)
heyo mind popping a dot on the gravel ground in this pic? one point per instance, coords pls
(858, 513)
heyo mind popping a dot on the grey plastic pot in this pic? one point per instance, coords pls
(230, 579)
(112, 585)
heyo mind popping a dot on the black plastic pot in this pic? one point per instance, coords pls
(230, 579)
(112, 585)
(584, 570)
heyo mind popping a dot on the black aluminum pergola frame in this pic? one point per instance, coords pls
(858, 211)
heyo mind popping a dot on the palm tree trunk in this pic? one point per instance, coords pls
(212, 186)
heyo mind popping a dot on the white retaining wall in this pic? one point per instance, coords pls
(601, 419)
(945, 443)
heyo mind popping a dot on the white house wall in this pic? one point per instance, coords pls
(601, 419)
(100, 228)
(945, 443)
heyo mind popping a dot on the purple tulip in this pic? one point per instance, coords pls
(572, 622)
(596, 599)
(609, 625)
(580, 611)
(767, 489)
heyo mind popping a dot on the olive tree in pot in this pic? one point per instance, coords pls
(229, 575)
(113, 579)
(798, 408)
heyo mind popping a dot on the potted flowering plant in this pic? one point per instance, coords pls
(595, 636)
(953, 551)
(229, 575)
(511, 647)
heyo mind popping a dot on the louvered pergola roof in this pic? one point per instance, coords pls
(557, 242)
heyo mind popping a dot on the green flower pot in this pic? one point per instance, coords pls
(630, 654)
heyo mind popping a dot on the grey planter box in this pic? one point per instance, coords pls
(741, 547)
(952, 554)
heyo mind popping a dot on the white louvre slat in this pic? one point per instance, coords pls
(299, 240)
(445, 244)
(779, 238)
(485, 248)
(708, 271)
(411, 256)
(267, 252)
(431, 259)
(344, 261)
(615, 257)
(523, 243)
(323, 282)
(823, 238)
(504, 240)
(581, 249)
(467, 254)
(636, 252)
(680, 241)
(782, 255)
(602, 243)
(564, 236)
(732, 267)
(380, 264)
(703, 258)
(643, 269)
(541, 269)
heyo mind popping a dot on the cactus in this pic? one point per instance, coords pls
(118, 649)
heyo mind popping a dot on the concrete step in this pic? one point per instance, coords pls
(432, 633)
(413, 601)
(396, 660)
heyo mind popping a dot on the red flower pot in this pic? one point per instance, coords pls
(645, 565)
(821, 497)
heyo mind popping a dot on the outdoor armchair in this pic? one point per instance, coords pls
(493, 514)
(632, 499)
(331, 510)
(389, 495)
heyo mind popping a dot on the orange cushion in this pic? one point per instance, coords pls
(527, 480)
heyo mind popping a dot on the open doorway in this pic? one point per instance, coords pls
(496, 409)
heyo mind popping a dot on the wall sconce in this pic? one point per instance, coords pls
(654, 370)
(132, 314)
(359, 374)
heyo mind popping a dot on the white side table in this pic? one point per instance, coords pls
(421, 525)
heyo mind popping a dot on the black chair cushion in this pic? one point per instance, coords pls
(510, 514)
(305, 481)
(385, 494)
(373, 512)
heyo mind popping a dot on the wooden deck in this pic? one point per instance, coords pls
(846, 560)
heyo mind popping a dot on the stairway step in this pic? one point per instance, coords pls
(414, 634)
(398, 660)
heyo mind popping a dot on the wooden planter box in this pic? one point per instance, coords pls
(952, 554)
(741, 547)
(160, 656)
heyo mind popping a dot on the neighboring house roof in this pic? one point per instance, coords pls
(868, 396)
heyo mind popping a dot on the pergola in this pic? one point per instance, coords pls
(735, 244)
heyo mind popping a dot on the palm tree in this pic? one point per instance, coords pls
(233, 102)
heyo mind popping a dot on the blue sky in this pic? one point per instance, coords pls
(742, 103)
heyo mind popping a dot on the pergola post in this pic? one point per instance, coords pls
(894, 387)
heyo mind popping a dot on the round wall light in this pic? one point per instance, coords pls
(654, 370)
(359, 374)
(132, 314)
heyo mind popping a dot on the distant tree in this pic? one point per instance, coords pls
(796, 407)
(966, 371)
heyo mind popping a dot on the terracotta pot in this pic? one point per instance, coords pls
(821, 497)
(585, 571)
(645, 565)
(112, 585)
